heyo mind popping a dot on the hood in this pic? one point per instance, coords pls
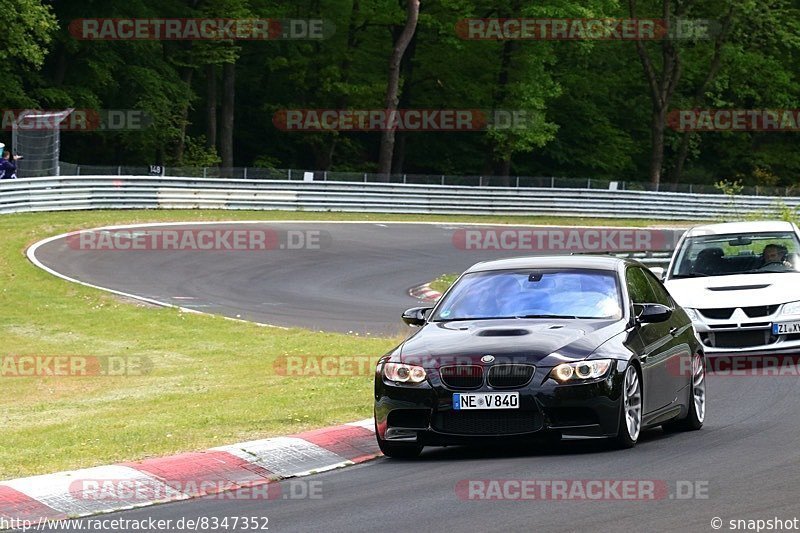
(741, 290)
(517, 340)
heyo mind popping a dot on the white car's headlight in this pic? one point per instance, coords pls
(404, 373)
(792, 308)
(694, 316)
(581, 370)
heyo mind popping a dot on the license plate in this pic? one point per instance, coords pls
(486, 400)
(786, 328)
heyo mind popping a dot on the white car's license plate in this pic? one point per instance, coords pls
(486, 400)
(786, 328)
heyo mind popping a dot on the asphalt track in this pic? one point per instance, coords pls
(357, 279)
(745, 461)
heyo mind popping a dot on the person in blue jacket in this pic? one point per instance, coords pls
(8, 166)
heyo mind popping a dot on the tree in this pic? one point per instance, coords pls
(393, 84)
(28, 28)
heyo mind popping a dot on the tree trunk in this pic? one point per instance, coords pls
(186, 77)
(657, 124)
(393, 86)
(662, 85)
(226, 128)
(211, 106)
(407, 67)
(503, 80)
(62, 62)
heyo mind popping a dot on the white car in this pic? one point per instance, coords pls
(740, 284)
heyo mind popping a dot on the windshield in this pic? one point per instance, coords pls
(532, 294)
(746, 253)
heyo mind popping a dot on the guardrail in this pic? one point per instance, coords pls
(160, 192)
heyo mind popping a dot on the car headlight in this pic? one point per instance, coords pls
(694, 316)
(404, 373)
(792, 308)
(582, 370)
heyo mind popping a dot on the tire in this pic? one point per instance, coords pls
(399, 451)
(630, 412)
(697, 400)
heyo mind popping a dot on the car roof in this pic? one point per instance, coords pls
(594, 262)
(742, 227)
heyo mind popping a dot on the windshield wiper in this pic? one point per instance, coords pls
(692, 275)
(552, 316)
(461, 319)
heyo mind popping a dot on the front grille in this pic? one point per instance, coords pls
(507, 422)
(510, 376)
(738, 339)
(760, 310)
(723, 313)
(462, 376)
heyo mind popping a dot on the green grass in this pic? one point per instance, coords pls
(212, 383)
(443, 282)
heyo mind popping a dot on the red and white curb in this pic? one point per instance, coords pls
(248, 470)
(425, 293)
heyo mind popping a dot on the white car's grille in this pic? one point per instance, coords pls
(724, 313)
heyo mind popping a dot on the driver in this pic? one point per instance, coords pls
(774, 254)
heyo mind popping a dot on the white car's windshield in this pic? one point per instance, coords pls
(532, 294)
(746, 253)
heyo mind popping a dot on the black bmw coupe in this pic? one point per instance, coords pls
(556, 347)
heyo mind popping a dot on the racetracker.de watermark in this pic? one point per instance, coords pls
(151, 489)
(786, 120)
(735, 366)
(403, 119)
(23, 366)
(86, 120)
(198, 240)
(199, 29)
(567, 239)
(581, 489)
(603, 29)
(314, 366)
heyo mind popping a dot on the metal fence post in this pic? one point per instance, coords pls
(78, 170)
(442, 179)
(552, 182)
(324, 175)
(245, 172)
(365, 177)
(119, 170)
(290, 174)
(205, 172)
(517, 182)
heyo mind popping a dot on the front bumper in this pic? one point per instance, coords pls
(740, 335)
(423, 413)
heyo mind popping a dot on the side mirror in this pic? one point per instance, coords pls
(652, 313)
(415, 316)
(659, 272)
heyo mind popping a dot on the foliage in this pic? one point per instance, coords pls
(587, 102)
